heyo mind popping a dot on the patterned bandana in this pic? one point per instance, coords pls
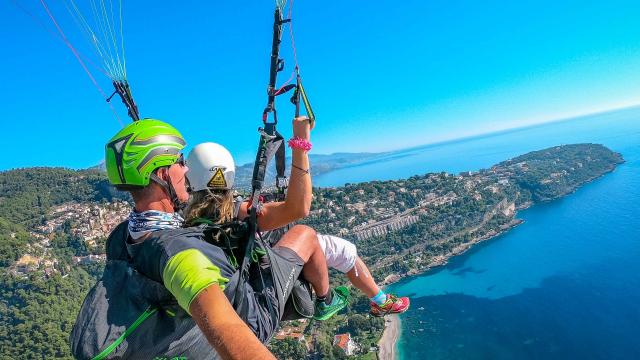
(142, 223)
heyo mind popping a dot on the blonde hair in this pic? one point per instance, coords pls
(216, 206)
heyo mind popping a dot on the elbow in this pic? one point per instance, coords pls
(300, 212)
(305, 209)
(299, 209)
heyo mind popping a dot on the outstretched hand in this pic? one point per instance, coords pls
(302, 127)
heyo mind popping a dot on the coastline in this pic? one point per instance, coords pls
(392, 327)
(391, 333)
(442, 260)
(389, 339)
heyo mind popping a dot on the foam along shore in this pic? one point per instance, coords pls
(390, 336)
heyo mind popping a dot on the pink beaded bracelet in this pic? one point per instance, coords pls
(298, 143)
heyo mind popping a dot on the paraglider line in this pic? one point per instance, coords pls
(281, 88)
(293, 47)
(73, 50)
(124, 59)
(293, 43)
(81, 22)
(57, 36)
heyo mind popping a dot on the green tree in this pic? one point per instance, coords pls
(288, 349)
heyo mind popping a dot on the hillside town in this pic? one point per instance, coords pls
(89, 222)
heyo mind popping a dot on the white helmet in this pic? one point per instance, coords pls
(210, 167)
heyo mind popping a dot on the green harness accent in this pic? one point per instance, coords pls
(257, 253)
(198, 221)
(150, 311)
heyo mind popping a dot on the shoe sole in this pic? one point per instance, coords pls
(389, 313)
(330, 314)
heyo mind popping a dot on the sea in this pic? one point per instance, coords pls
(565, 284)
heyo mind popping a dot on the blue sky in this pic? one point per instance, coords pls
(381, 75)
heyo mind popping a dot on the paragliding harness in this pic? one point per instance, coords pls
(272, 144)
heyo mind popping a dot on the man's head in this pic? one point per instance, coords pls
(144, 158)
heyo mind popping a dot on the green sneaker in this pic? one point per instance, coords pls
(340, 299)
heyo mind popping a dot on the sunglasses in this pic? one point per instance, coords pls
(180, 160)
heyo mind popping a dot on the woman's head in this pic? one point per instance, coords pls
(211, 175)
(211, 167)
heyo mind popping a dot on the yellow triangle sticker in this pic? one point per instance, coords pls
(217, 180)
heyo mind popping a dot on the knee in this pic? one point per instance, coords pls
(305, 232)
(301, 239)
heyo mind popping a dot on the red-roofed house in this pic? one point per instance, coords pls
(344, 342)
(294, 332)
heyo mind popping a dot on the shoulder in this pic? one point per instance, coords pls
(116, 242)
(172, 241)
(152, 255)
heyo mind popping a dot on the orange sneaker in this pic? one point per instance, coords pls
(393, 305)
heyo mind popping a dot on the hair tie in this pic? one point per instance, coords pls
(299, 143)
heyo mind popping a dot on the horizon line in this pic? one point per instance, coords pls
(505, 130)
(421, 146)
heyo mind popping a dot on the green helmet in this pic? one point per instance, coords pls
(137, 150)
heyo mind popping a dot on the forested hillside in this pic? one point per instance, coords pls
(40, 296)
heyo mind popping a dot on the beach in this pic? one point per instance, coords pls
(387, 343)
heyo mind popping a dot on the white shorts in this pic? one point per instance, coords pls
(340, 253)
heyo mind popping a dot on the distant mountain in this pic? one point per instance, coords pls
(102, 166)
(320, 164)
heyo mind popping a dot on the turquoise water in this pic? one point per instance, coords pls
(565, 284)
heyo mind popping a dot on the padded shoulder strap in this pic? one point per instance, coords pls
(116, 247)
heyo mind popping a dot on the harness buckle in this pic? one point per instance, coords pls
(282, 182)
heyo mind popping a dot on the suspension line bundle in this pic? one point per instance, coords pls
(271, 143)
(100, 21)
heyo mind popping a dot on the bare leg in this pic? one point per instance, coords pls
(304, 242)
(361, 278)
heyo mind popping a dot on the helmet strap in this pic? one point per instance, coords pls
(170, 190)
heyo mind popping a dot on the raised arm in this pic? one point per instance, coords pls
(224, 329)
(299, 194)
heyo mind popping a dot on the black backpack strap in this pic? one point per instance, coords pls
(116, 245)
